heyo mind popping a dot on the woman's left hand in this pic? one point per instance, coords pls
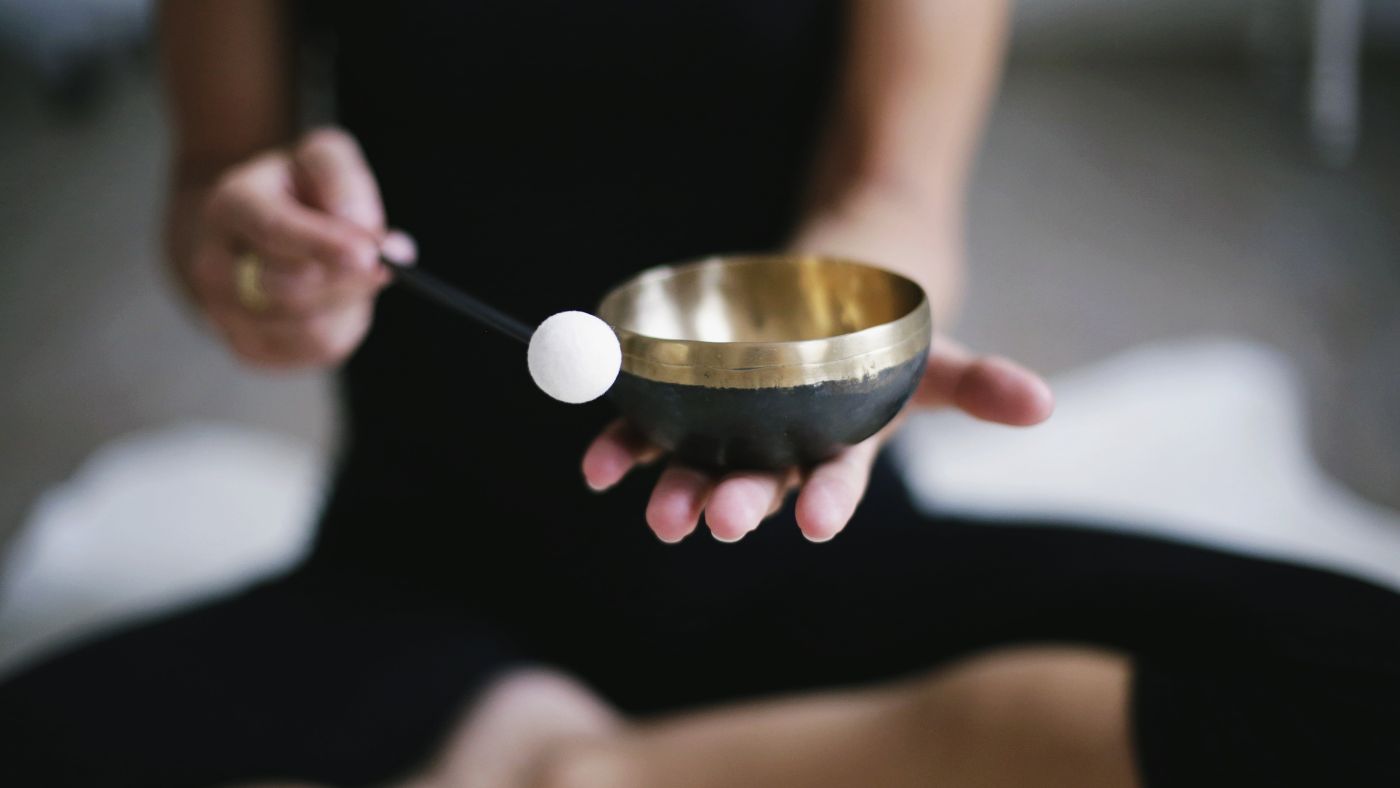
(985, 387)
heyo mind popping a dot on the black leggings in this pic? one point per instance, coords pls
(1246, 672)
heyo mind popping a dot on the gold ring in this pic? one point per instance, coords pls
(247, 279)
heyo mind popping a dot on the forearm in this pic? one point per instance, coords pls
(904, 133)
(229, 79)
(229, 84)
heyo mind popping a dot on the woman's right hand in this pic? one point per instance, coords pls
(282, 252)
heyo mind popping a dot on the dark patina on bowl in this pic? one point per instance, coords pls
(766, 361)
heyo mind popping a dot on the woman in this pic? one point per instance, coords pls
(473, 615)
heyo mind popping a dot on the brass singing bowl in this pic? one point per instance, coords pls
(766, 361)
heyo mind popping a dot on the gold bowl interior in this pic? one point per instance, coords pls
(760, 299)
(766, 320)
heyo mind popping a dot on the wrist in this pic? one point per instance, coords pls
(918, 239)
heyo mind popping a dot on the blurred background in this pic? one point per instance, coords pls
(1216, 182)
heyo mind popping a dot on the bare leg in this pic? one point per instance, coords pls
(1027, 718)
(507, 733)
(1033, 717)
(501, 741)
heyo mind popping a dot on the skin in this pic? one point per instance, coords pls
(1048, 717)
(888, 188)
(1044, 717)
(308, 207)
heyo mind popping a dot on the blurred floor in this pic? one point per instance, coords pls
(92, 342)
(1115, 204)
(1119, 204)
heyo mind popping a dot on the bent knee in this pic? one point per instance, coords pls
(559, 699)
(586, 766)
(1025, 711)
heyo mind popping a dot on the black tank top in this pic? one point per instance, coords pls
(540, 152)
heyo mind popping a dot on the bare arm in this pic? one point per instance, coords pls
(888, 188)
(890, 181)
(274, 238)
(229, 76)
(229, 83)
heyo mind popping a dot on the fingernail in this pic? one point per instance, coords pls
(399, 247)
(719, 538)
(756, 517)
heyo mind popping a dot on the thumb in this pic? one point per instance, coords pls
(989, 388)
(332, 175)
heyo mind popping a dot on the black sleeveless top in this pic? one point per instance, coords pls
(541, 152)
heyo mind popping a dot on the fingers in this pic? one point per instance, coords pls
(833, 490)
(306, 321)
(676, 502)
(332, 175)
(313, 220)
(990, 388)
(321, 339)
(986, 387)
(999, 390)
(301, 288)
(399, 247)
(615, 452)
(742, 500)
(254, 207)
(293, 288)
(732, 507)
(947, 361)
(310, 259)
(737, 504)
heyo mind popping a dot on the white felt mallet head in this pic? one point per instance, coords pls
(574, 357)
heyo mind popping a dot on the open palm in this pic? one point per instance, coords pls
(986, 387)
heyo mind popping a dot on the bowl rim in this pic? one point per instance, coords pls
(854, 356)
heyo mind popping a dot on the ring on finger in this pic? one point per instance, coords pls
(248, 283)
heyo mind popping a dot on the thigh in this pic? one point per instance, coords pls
(308, 678)
(1245, 671)
(1235, 658)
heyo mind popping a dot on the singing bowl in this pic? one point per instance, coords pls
(765, 361)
